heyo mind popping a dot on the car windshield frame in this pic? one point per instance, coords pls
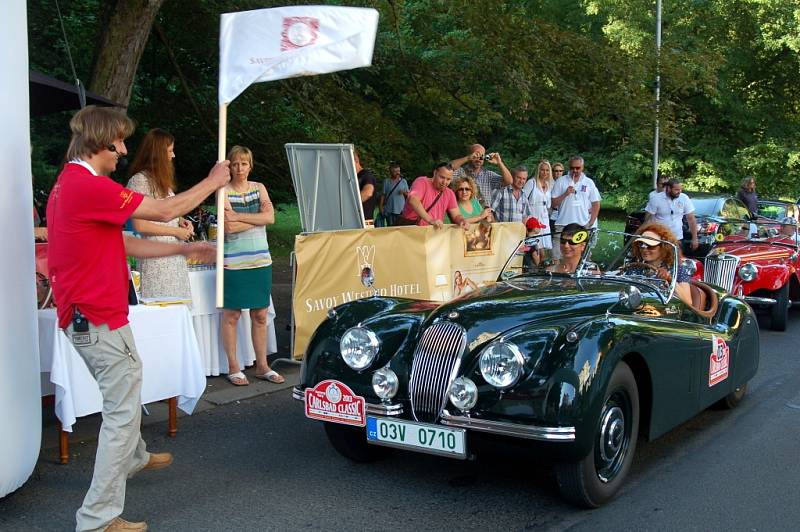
(760, 232)
(589, 270)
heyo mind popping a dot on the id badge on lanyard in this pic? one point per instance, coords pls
(576, 201)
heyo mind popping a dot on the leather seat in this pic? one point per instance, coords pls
(698, 297)
(704, 299)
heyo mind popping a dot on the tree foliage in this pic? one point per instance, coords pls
(532, 79)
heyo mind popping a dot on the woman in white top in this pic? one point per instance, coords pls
(538, 193)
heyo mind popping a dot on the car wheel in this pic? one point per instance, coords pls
(351, 442)
(733, 399)
(596, 479)
(780, 310)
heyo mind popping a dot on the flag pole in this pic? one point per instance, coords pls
(223, 133)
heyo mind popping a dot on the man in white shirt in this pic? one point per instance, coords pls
(576, 197)
(669, 208)
(662, 182)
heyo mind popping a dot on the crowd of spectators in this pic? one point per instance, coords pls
(465, 191)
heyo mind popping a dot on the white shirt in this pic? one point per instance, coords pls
(670, 212)
(576, 208)
(540, 203)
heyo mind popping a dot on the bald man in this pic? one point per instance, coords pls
(488, 181)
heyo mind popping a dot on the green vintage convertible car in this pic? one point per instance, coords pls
(577, 360)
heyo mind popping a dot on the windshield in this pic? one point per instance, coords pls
(705, 206)
(563, 253)
(600, 254)
(780, 233)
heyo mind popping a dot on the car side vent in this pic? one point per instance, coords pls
(436, 361)
(721, 270)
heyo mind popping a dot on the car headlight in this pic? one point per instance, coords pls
(748, 272)
(463, 393)
(501, 364)
(359, 346)
(385, 383)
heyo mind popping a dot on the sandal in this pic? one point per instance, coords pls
(272, 376)
(238, 379)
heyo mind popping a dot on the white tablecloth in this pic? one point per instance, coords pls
(205, 316)
(167, 346)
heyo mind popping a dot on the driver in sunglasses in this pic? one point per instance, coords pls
(652, 256)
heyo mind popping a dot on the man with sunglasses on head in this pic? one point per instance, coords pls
(430, 198)
(488, 181)
(577, 199)
(669, 207)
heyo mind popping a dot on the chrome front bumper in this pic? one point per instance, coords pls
(528, 432)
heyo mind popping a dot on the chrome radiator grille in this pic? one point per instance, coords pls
(436, 360)
(720, 270)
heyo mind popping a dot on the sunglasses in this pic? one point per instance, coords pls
(463, 190)
(568, 242)
(645, 245)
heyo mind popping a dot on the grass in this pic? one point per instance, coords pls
(287, 225)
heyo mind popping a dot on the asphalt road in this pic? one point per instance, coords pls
(261, 465)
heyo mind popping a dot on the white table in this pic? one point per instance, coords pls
(167, 346)
(205, 317)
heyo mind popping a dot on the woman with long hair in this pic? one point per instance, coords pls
(538, 193)
(153, 174)
(650, 248)
(248, 265)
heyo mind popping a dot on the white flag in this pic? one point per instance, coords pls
(284, 42)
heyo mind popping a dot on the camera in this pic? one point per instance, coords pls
(487, 156)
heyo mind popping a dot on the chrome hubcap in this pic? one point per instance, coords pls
(612, 433)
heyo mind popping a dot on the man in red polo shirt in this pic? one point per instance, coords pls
(89, 276)
(430, 198)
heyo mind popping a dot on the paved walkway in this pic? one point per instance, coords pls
(218, 390)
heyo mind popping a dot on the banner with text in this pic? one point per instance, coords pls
(413, 262)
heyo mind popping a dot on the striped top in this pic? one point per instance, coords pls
(248, 249)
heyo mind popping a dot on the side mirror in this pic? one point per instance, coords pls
(630, 297)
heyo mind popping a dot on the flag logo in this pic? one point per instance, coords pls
(298, 32)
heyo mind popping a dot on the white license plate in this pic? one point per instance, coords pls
(417, 436)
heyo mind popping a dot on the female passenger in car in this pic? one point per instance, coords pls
(657, 257)
(572, 240)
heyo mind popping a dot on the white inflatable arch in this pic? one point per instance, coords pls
(20, 396)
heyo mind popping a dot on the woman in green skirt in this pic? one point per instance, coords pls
(248, 265)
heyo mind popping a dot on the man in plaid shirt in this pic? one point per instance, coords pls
(488, 181)
(509, 204)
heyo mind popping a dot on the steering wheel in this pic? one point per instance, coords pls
(641, 265)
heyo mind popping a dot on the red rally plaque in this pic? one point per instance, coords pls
(335, 402)
(718, 362)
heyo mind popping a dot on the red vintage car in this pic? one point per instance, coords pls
(758, 262)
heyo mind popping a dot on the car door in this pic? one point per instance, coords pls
(716, 349)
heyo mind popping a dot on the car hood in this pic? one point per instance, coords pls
(752, 251)
(546, 301)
